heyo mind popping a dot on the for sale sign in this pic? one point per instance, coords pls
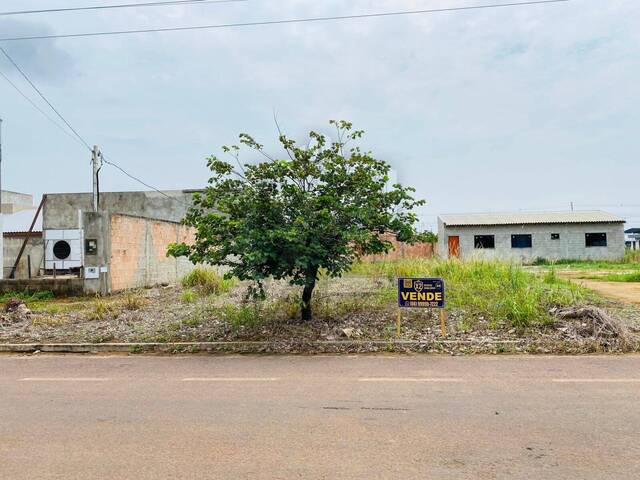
(421, 292)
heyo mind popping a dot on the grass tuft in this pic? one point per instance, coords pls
(208, 281)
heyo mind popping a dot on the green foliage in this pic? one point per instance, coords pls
(208, 281)
(244, 315)
(28, 296)
(188, 296)
(322, 207)
(618, 277)
(427, 237)
(503, 292)
(630, 261)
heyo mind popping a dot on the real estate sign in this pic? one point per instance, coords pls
(421, 292)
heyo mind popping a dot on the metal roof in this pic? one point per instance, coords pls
(528, 218)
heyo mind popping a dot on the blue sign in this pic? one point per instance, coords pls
(421, 292)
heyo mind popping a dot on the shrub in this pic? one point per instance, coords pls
(245, 315)
(188, 296)
(102, 309)
(208, 281)
(132, 301)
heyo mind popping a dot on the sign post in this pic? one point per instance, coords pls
(422, 293)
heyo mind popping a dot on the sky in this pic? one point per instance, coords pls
(519, 108)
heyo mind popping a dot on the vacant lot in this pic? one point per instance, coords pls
(618, 280)
(487, 302)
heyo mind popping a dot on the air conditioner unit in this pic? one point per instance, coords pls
(63, 249)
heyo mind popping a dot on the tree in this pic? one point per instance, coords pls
(320, 208)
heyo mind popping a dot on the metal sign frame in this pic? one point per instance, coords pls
(421, 293)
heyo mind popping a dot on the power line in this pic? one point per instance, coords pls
(122, 5)
(24, 95)
(280, 22)
(24, 75)
(84, 142)
(115, 165)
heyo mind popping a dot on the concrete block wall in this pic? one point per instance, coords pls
(11, 247)
(138, 248)
(571, 244)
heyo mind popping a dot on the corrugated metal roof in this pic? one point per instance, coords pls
(20, 221)
(528, 218)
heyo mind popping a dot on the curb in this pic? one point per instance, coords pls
(346, 346)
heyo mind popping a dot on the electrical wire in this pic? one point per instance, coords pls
(122, 5)
(115, 165)
(35, 105)
(280, 22)
(24, 75)
(78, 136)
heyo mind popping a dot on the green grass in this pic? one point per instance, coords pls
(503, 292)
(616, 277)
(189, 296)
(630, 261)
(28, 296)
(208, 281)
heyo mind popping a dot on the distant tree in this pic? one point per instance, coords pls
(321, 208)
(428, 237)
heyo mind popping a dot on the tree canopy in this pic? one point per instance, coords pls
(319, 208)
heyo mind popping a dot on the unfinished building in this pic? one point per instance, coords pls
(109, 243)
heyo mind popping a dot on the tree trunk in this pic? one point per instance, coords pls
(307, 293)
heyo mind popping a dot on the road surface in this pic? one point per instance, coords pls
(322, 417)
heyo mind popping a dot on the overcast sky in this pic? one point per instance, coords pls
(484, 110)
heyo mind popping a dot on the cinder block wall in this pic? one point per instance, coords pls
(34, 249)
(139, 252)
(571, 244)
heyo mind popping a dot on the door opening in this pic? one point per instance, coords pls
(454, 246)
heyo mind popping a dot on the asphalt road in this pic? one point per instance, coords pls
(373, 417)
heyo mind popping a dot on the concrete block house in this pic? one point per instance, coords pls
(527, 236)
(120, 245)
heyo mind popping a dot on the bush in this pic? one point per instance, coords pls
(188, 296)
(207, 281)
(102, 309)
(132, 301)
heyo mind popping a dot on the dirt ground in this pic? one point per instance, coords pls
(628, 292)
(164, 314)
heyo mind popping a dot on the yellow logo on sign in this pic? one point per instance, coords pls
(408, 283)
(418, 286)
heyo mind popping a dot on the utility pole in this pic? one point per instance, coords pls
(572, 206)
(96, 162)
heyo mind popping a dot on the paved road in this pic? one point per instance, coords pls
(373, 417)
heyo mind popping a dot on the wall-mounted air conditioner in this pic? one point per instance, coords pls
(63, 249)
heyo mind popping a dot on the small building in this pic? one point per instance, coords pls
(632, 238)
(118, 243)
(18, 214)
(527, 236)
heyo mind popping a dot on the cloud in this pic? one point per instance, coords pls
(44, 60)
